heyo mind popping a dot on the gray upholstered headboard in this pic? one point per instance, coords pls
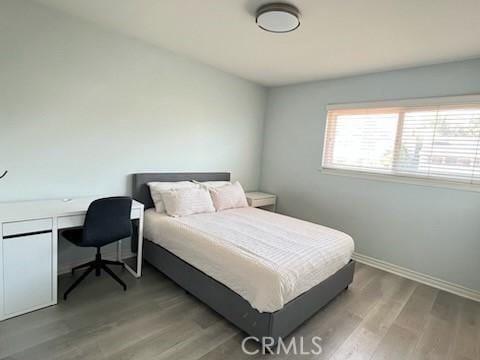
(141, 192)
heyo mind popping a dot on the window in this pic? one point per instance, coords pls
(427, 141)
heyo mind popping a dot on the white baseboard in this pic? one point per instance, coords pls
(419, 277)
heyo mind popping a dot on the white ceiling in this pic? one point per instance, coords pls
(336, 37)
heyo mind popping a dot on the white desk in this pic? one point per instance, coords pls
(28, 250)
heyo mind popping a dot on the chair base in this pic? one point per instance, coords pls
(98, 264)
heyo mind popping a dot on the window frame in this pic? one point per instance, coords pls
(403, 178)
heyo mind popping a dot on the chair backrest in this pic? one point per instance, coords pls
(107, 220)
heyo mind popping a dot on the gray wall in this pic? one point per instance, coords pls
(434, 231)
(82, 107)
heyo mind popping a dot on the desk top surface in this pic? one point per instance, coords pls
(37, 209)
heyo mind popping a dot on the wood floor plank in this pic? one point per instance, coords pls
(381, 316)
(414, 314)
(158, 342)
(362, 276)
(359, 301)
(363, 341)
(333, 330)
(201, 344)
(437, 339)
(108, 336)
(29, 337)
(397, 344)
(232, 350)
(107, 329)
(467, 337)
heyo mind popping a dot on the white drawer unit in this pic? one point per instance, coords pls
(28, 266)
(28, 250)
(262, 200)
(26, 227)
(28, 273)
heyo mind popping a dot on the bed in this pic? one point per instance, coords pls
(264, 272)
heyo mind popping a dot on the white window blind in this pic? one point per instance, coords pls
(430, 142)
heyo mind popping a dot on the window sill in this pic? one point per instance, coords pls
(401, 179)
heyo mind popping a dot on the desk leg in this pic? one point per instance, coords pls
(140, 246)
(119, 250)
(138, 271)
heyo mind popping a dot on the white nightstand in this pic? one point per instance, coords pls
(262, 200)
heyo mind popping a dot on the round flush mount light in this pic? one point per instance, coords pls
(278, 18)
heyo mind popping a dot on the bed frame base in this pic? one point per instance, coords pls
(236, 309)
(219, 297)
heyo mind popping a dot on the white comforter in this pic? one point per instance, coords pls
(267, 258)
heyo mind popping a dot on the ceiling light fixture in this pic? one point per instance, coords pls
(278, 17)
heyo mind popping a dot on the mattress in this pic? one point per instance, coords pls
(267, 258)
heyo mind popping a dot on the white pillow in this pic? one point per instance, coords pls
(228, 197)
(156, 189)
(182, 202)
(212, 184)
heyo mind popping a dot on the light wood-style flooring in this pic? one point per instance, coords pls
(381, 316)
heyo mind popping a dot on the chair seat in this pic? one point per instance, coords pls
(107, 221)
(75, 236)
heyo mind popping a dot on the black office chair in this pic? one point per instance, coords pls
(107, 221)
